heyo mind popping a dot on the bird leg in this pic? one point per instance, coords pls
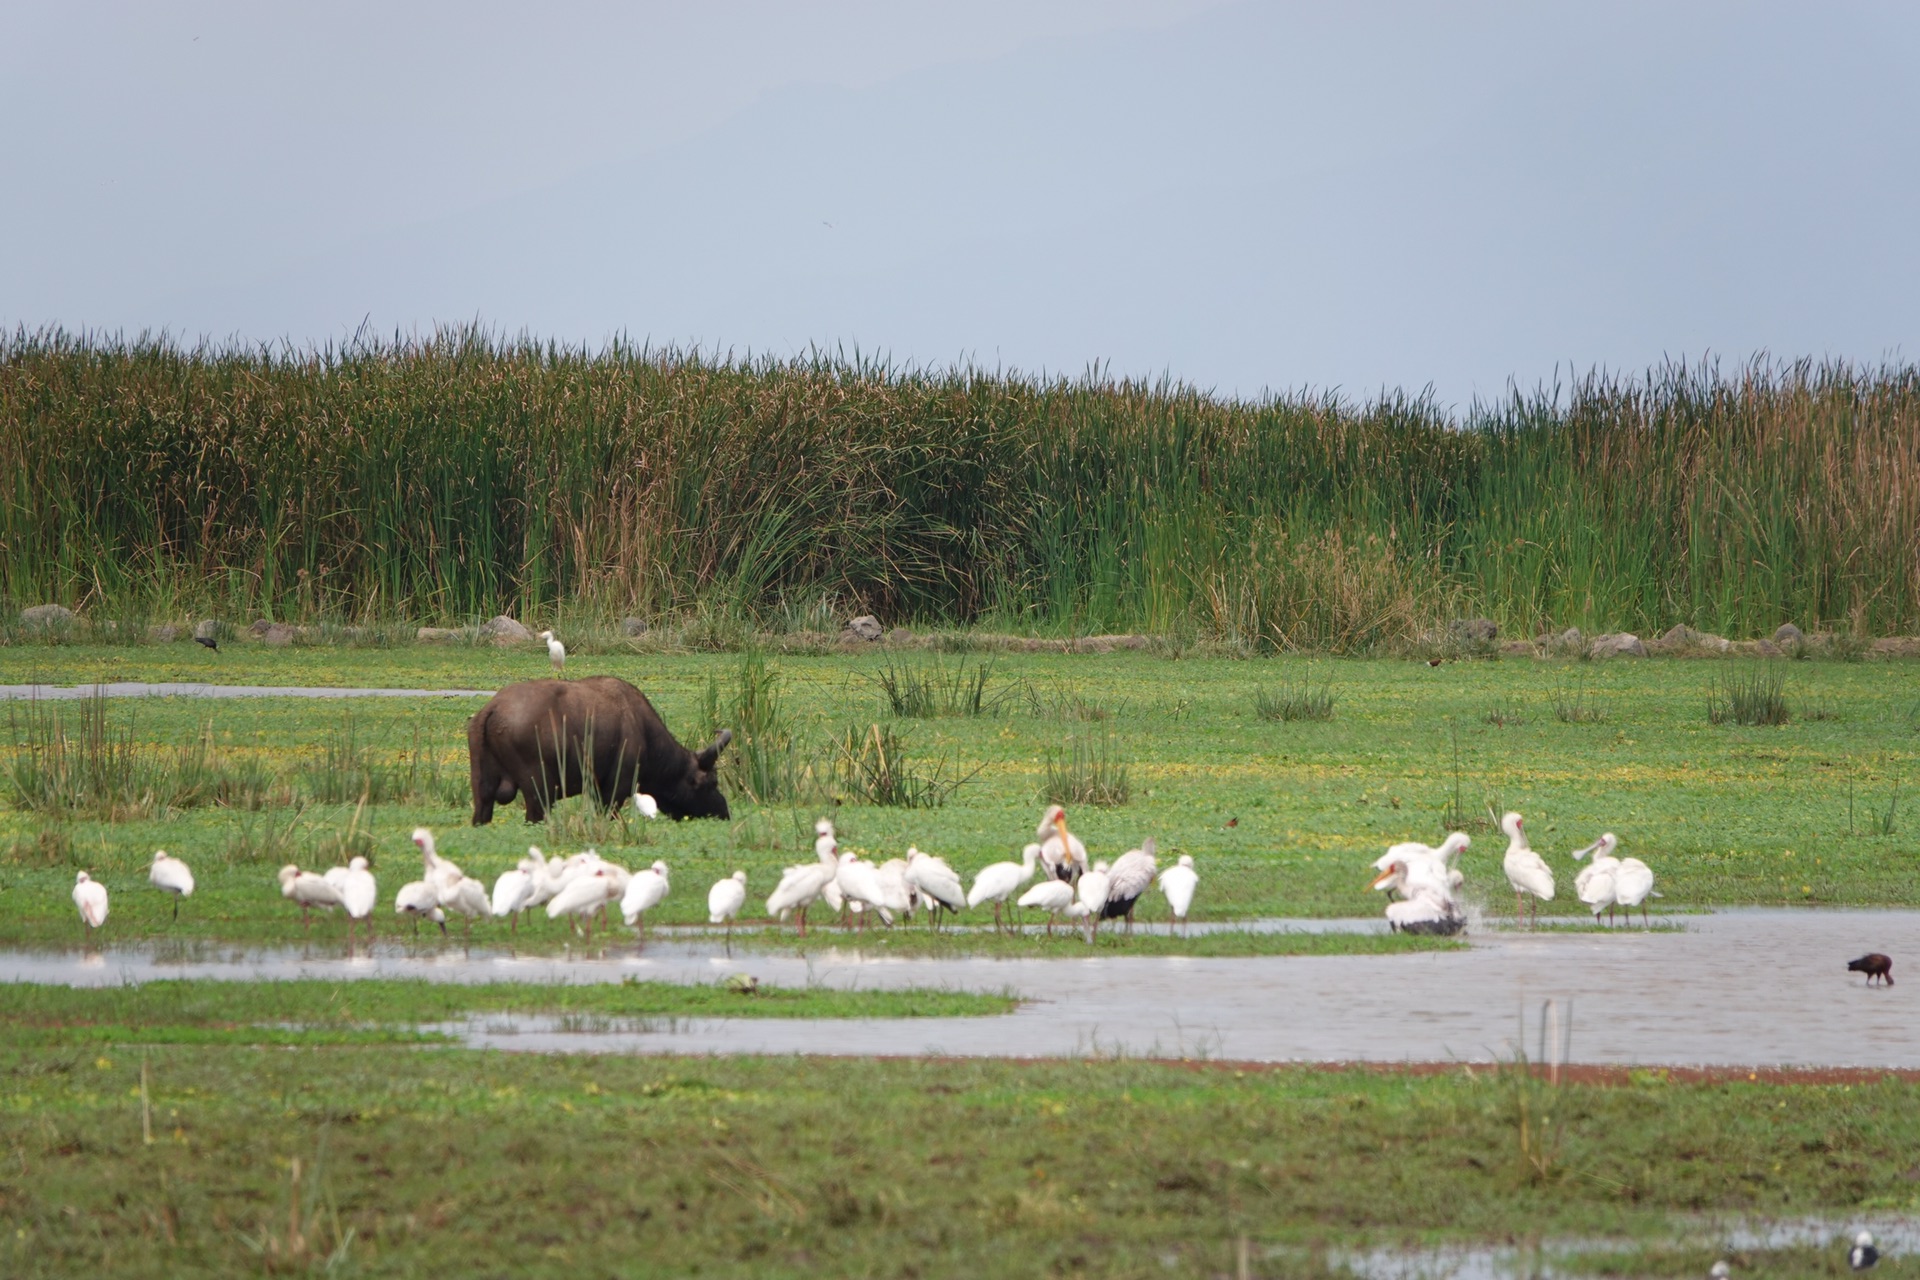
(1519, 908)
(176, 908)
(996, 915)
(803, 922)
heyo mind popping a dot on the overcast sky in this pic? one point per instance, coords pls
(1245, 196)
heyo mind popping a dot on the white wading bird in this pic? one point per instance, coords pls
(1178, 883)
(1061, 852)
(1526, 870)
(646, 806)
(513, 892)
(357, 889)
(90, 900)
(581, 898)
(800, 887)
(307, 891)
(725, 899)
(999, 881)
(1595, 883)
(935, 881)
(1093, 897)
(1425, 912)
(1632, 886)
(645, 891)
(419, 899)
(436, 870)
(170, 875)
(895, 892)
(1050, 896)
(860, 885)
(1132, 875)
(556, 652)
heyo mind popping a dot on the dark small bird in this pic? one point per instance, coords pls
(208, 641)
(1863, 1254)
(1233, 822)
(1434, 662)
(1874, 965)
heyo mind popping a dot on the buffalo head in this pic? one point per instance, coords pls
(696, 793)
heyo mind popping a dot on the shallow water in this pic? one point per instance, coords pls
(181, 689)
(1747, 987)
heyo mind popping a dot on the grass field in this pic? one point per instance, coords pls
(380, 1161)
(1282, 817)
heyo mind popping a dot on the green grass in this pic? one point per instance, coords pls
(244, 1012)
(1723, 813)
(455, 1162)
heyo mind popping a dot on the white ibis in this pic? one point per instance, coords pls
(1093, 896)
(1050, 896)
(860, 884)
(1632, 886)
(1526, 870)
(935, 881)
(1863, 1255)
(800, 887)
(90, 900)
(307, 891)
(725, 899)
(1594, 885)
(1000, 880)
(556, 652)
(1061, 852)
(645, 891)
(646, 806)
(419, 900)
(1132, 875)
(170, 875)
(1178, 883)
(581, 898)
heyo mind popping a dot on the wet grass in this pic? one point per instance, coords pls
(457, 1162)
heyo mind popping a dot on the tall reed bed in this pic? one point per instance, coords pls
(462, 475)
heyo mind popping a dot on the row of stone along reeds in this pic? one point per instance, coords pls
(462, 475)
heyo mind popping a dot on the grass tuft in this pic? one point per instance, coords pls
(1755, 697)
(1087, 771)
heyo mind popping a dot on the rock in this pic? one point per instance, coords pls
(1568, 641)
(1136, 642)
(633, 627)
(259, 627)
(866, 627)
(206, 629)
(279, 634)
(1897, 646)
(1518, 649)
(1758, 648)
(437, 635)
(900, 635)
(1619, 644)
(1787, 633)
(164, 633)
(1685, 637)
(48, 617)
(1473, 631)
(503, 630)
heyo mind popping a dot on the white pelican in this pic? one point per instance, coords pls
(308, 891)
(998, 881)
(1093, 896)
(170, 875)
(800, 887)
(1178, 883)
(1050, 896)
(1594, 885)
(512, 893)
(582, 896)
(646, 806)
(556, 652)
(418, 899)
(645, 891)
(1061, 852)
(1526, 870)
(725, 899)
(1132, 875)
(860, 885)
(935, 881)
(1632, 886)
(90, 900)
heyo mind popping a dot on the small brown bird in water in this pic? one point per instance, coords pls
(1874, 965)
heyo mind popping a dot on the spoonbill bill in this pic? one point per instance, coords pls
(725, 899)
(1595, 884)
(1132, 875)
(1178, 883)
(170, 875)
(999, 881)
(1050, 896)
(419, 900)
(307, 891)
(90, 900)
(1526, 870)
(936, 882)
(556, 652)
(1061, 852)
(647, 890)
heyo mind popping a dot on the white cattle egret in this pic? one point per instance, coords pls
(1632, 886)
(1050, 896)
(1526, 870)
(1178, 883)
(170, 875)
(800, 887)
(935, 881)
(307, 891)
(998, 881)
(90, 900)
(1061, 852)
(1093, 896)
(1594, 885)
(556, 652)
(859, 882)
(419, 899)
(725, 899)
(645, 891)
(582, 896)
(645, 805)
(1132, 875)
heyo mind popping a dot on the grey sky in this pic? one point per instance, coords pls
(1242, 195)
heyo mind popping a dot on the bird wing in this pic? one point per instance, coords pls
(1528, 871)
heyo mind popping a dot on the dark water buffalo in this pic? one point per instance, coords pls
(548, 739)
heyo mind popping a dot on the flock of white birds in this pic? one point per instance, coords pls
(1429, 882)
